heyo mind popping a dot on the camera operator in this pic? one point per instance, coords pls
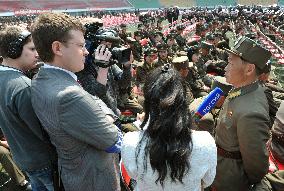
(104, 78)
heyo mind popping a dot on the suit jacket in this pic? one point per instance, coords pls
(19, 122)
(243, 126)
(77, 126)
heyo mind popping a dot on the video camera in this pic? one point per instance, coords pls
(119, 54)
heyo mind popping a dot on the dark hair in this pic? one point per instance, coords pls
(8, 37)
(50, 27)
(168, 135)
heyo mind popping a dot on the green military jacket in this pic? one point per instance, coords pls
(172, 50)
(143, 71)
(271, 182)
(243, 126)
(181, 41)
(137, 51)
(162, 62)
(200, 64)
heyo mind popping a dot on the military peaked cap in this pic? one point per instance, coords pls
(251, 52)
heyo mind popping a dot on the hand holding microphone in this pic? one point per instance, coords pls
(208, 103)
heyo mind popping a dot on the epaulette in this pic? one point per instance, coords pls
(234, 94)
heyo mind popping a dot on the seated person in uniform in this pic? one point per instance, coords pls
(163, 57)
(11, 168)
(199, 89)
(274, 180)
(182, 65)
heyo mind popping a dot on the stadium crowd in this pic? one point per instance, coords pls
(89, 105)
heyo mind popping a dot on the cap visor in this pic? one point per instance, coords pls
(231, 51)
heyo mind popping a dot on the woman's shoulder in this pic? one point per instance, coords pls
(202, 139)
(132, 138)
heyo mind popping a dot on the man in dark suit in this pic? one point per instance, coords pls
(79, 124)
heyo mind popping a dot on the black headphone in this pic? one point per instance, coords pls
(15, 48)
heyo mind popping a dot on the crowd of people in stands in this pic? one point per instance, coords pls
(89, 105)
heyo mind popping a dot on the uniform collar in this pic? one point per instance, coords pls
(236, 92)
(67, 71)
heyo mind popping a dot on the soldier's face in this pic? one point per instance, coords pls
(163, 54)
(171, 41)
(235, 71)
(195, 58)
(123, 30)
(158, 38)
(150, 58)
(184, 72)
(203, 51)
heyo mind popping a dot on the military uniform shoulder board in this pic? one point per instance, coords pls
(232, 95)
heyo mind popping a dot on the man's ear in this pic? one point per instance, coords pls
(57, 48)
(250, 69)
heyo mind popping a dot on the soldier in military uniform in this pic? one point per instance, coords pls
(217, 53)
(204, 60)
(163, 57)
(243, 125)
(172, 44)
(137, 50)
(182, 65)
(150, 63)
(181, 41)
(277, 86)
(157, 38)
(122, 32)
(274, 181)
(199, 89)
(273, 106)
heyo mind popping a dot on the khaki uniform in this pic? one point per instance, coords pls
(162, 62)
(275, 181)
(173, 50)
(137, 51)
(143, 71)
(123, 36)
(271, 182)
(241, 135)
(196, 83)
(181, 41)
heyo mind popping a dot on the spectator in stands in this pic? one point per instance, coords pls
(79, 124)
(18, 121)
(11, 168)
(167, 154)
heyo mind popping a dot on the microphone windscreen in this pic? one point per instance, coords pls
(209, 102)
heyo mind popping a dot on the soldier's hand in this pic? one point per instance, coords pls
(206, 88)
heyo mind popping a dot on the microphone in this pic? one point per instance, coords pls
(208, 103)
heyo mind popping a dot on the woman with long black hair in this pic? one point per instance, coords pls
(166, 154)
